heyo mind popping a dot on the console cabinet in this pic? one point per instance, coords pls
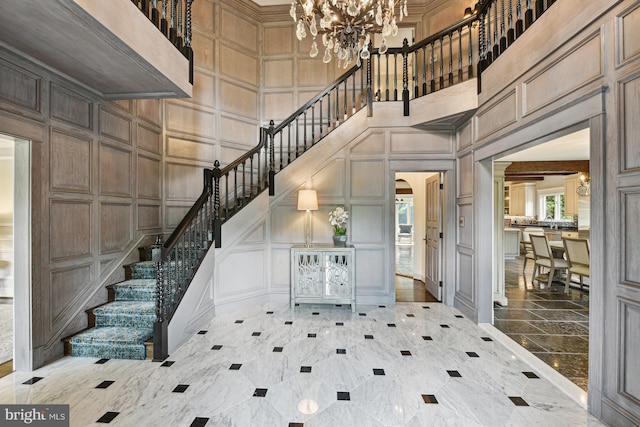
(323, 275)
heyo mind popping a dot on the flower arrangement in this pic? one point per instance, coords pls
(338, 219)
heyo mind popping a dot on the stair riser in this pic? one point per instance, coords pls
(129, 321)
(109, 351)
(129, 294)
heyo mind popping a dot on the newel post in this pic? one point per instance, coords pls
(369, 81)
(272, 172)
(160, 326)
(217, 222)
(405, 77)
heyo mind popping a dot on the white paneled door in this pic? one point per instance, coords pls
(433, 235)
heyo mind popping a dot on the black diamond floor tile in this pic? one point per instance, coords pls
(459, 316)
(105, 384)
(429, 398)
(305, 369)
(391, 325)
(427, 338)
(426, 307)
(339, 323)
(288, 322)
(107, 417)
(344, 395)
(260, 392)
(216, 347)
(239, 321)
(530, 374)
(32, 380)
(444, 326)
(377, 371)
(454, 374)
(199, 422)
(311, 335)
(277, 349)
(202, 332)
(518, 401)
(256, 334)
(235, 366)
(269, 312)
(296, 424)
(362, 314)
(316, 313)
(341, 351)
(368, 337)
(405, 352)
(410, 315)
(472, 354)
(181, 388)
(486, 339)
(168, 363)
(102, 361)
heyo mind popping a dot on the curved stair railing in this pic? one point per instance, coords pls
(227, 190)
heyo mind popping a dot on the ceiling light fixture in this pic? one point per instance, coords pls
(346, 25)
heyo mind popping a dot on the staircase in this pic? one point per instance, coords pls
(123, 327)
(134, 323)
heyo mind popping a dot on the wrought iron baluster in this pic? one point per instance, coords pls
(460, 75)
(378, 93)
(451, 59)
(405, 77)
(305, 132)
(414, 70)
(321, 124)
(424, 70)
(433, 67)
(386, 56)
(288, 143)
(346, 114)
(470, 70)
(496, 32)
(353, 94)
(313, 124)
(441, 64)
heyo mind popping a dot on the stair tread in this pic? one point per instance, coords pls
(135, 290)
(126, 308)
(112, 334)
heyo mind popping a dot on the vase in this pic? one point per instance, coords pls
(340, 240)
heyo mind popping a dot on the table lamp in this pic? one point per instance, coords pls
(307, 201)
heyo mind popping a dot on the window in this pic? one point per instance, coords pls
(552, 207)
(404, 210)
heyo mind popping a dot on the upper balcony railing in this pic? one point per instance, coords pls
(173, 19)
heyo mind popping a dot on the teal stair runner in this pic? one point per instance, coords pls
(123, 325)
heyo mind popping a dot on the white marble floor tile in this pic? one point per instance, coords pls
(260, 366)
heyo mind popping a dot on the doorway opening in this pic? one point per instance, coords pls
(412, 266)
(7, 259)
(543, 190)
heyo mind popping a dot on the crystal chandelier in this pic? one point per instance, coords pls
(346, 25)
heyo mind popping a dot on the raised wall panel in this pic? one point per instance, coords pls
(115, 126)
(278, 40)
(256, 236)
(465, 136)
(174, 215)
(203, 89)
(239, 100)
(278, 73)
(287, 224)
(70, 229)
(370, 271)
(628, 41)
(313, 72)
(203, 51)
(629, 368)
(238, 65)
(203, 14)
(420, 142)
(278, 106)
(192, 150)
(371, 144)
(70, 159)
(234, 130)
(578, 67)
(237, 279)
(149, 109)
(281, 276)
(64, 287)
(465, 175)
(229, 153)
(115, 171)
(149, 139)
(321, 229)
(330, 181)
(71, 107)
(629, 241)
(465, 234)
(368, 224)
(239, 30)
(19, 87)
(148, 177)
(149, 216)
(305, 96)
(367, 178)
(629, 111)
(125, 104)
(115, 227)
(464, 281)
(497, 116)
(187, 119)
(183, 182)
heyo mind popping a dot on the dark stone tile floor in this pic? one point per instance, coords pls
(552, 325)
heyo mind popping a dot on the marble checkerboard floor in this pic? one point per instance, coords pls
(412, 364)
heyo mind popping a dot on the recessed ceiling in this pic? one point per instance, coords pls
(574, 146)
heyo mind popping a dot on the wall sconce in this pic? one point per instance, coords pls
(584, 189)
(307, 201)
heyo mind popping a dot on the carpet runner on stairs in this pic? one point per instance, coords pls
(123, 325)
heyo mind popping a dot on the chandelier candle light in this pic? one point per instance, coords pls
(346, 25)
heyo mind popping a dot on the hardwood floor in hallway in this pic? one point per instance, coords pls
(407, 288)
(552, 325)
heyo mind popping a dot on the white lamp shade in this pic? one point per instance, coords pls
(307, 200)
